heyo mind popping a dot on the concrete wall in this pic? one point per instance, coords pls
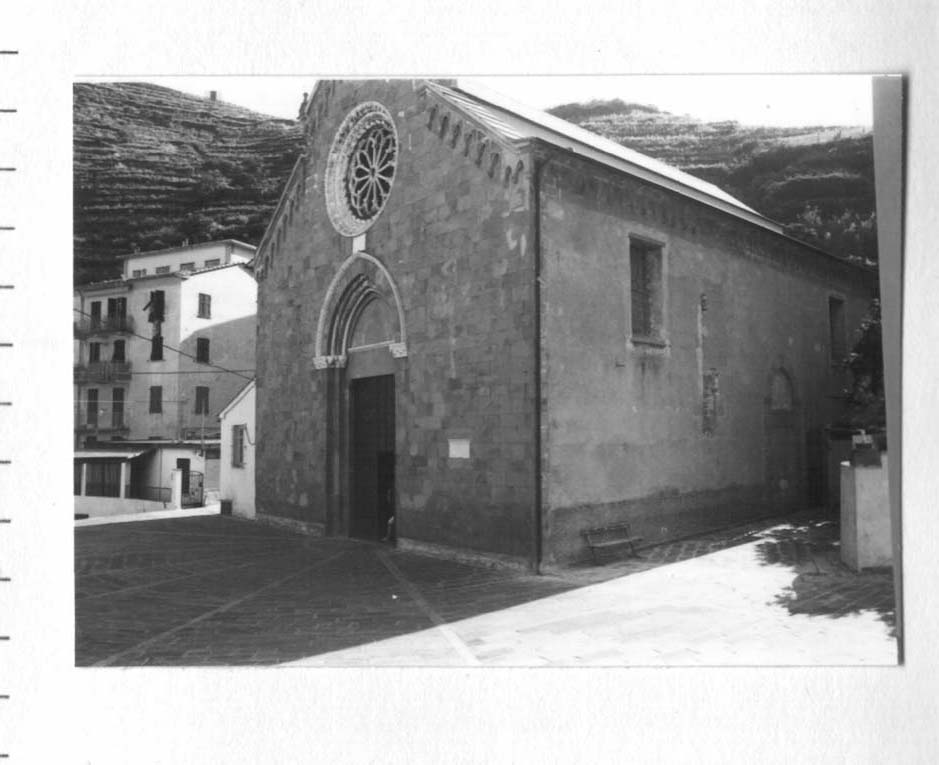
(236, 483)
(458, 244)
(99, 507)
(626, 432)
(866, 537)
(159, 466)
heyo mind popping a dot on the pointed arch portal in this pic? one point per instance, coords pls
(362, 308)
(359, 334)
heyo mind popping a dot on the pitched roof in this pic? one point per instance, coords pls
(514, 122)
(183, 247)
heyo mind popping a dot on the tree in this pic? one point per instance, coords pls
(866, 406)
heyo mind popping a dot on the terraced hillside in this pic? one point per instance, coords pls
(154, 167)
(817, 181)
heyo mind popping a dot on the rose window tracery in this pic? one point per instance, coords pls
(371, 171)
(360, 168)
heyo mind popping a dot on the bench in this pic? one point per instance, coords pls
(610, 537)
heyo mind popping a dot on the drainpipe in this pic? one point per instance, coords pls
(537, 506)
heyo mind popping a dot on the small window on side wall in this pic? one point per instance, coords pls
(156, 348)
(202, 400)
(645, 274)
(837, 341)
(202, 350)
(205, 306)
(238, 445)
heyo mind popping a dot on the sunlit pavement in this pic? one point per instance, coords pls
(219, 591)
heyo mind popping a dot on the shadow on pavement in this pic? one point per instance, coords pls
(222, 591)
(823, 584)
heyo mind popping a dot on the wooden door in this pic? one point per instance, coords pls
(373, 456)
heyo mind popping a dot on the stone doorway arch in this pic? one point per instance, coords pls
(361, 288)
(360, 345)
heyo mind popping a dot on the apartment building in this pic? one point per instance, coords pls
(160, 351)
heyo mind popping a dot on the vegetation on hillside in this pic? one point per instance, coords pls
(155, 168)
(816, 181)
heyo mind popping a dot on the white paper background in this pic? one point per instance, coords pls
(57, 713)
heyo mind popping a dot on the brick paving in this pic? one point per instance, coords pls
(221, 591)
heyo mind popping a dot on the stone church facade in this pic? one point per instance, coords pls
(501, 331)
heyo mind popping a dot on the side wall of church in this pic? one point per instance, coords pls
(686, 433)
(456, 237)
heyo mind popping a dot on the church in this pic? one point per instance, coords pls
(484, 331)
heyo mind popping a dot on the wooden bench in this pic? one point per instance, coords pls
(610, 537)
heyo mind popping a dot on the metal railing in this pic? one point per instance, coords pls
(97, 325)
(102, 372)
(103, 425)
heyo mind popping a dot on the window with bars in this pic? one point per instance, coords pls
(645, 273)
(156, 399)
(205, 306)
(238, 445)
(202, 350)
(202, 399)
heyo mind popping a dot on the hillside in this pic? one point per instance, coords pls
(154, 167)
(817, 181)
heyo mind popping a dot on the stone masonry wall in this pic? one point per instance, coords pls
(456, 238)
(672, 438)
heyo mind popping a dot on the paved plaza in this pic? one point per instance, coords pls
(221, 591)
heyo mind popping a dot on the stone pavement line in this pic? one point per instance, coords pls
(109, 660)
(451, 637)
(254, 561)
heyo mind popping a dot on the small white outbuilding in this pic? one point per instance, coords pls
(236, 474)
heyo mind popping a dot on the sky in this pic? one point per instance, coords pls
(774, 100)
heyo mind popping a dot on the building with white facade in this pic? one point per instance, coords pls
(236, 466)
(158, 353)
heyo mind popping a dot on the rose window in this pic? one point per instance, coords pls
(360, 169)
(371, 170)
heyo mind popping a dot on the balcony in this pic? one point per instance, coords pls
(102, 372)
(103, 325)
(104, 427)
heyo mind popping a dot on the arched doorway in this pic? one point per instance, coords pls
(360, 345)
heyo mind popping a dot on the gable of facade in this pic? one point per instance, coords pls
(434, 296)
